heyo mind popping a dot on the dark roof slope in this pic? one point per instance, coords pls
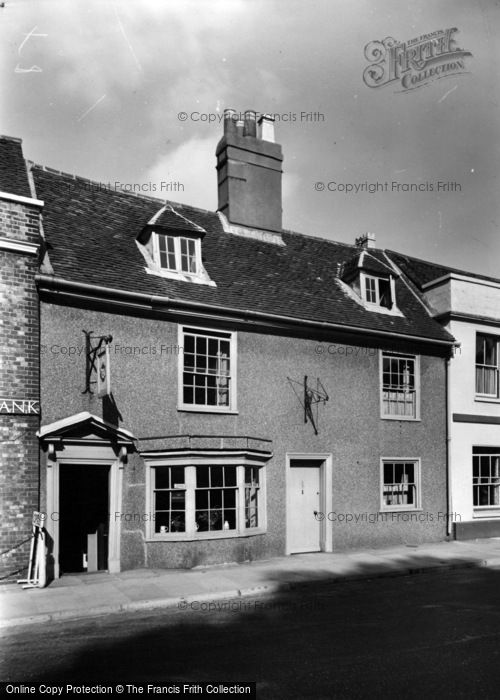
(13, 173)
(421, 271)
(91, 235)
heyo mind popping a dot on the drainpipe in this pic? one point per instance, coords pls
(449, 496)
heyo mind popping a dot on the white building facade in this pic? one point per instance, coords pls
(469, 308)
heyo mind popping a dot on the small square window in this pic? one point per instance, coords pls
(400, 484)
(486, 477)
(378, 291)
(177, 253)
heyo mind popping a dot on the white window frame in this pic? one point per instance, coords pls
(200, 408)
(494, 451)
(177, 251)
(416, 461)
(364, 277)
(403, 356)
(190, 466)
(496, 395)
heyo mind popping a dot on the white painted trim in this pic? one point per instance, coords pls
(418, 482)
(21, 200)
(81, 418)
(115, 502)
(326, 495)
(257, 234)
(19, 246)
(196, 457)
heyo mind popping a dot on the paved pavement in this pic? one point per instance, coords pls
(85, 595)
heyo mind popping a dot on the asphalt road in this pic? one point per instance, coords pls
(427, 635)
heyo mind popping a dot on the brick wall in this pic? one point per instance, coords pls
(19, 379)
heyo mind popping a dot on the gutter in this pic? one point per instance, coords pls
(49, 282)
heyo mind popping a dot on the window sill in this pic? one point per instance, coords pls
(404, 418)
(207, 409)
(400, 509)
(487, 399)
(205, 536)
(486, 512)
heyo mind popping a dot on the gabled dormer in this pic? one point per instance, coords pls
(172, 247)
(371, 278)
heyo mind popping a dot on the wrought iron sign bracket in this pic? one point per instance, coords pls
(91, 351)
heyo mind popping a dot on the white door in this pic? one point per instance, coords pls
(304, 503)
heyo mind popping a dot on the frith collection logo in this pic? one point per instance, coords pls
(416, 62)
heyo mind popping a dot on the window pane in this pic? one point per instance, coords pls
(216, 476)
(215, 498)
(162, 500)
(201, 499)
(202, 477)
(177, 476)
(162, 477)
(188, 343)
(229, 476)
(229, 498)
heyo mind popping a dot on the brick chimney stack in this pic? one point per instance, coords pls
(249, 170)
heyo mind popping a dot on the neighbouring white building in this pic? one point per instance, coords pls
(468, 306)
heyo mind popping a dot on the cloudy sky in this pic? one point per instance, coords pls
(95, 88)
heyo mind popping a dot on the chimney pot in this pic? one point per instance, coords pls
(266, 128)
(229, 121)
(250, 127)
(367, 240)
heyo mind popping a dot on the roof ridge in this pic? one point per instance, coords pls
(14, 139)
(138, 195)
(456, 270)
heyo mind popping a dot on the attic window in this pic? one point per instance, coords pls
(170, 243)
(377, 291)
(177, 253)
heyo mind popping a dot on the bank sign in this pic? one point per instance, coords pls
(416, 62)
(20, 406)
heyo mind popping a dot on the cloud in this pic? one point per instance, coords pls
(188, 164)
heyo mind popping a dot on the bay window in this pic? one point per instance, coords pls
(204, 501)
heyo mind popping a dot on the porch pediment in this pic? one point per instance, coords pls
(85, 428)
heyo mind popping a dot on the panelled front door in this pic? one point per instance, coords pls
(304, 502)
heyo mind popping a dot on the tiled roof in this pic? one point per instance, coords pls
(13, 173)
(421, 271)
(91, 233)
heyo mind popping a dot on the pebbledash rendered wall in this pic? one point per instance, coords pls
(19, 379)
(144, 387)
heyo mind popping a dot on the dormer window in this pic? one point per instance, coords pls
(371, 280)
(171, 246)
(177, 254)
(378, 291)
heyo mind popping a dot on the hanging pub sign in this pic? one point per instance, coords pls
(97, 360)
(103, 374)
(20, 406)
